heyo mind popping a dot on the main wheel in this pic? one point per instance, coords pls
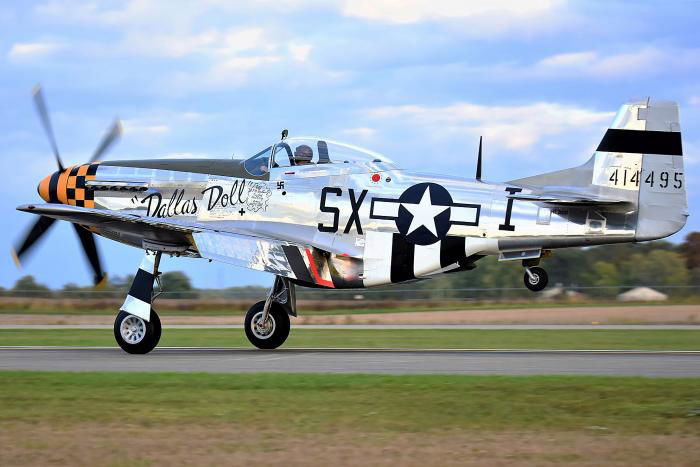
(536, 280)
(273, 332)
(136, 335)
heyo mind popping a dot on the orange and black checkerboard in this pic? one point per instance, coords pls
(77, 194)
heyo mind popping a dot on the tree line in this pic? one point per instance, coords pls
(608, 269)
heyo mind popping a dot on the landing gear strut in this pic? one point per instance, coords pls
(267, 322)
(137, 327)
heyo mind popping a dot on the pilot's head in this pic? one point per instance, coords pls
(303, 155)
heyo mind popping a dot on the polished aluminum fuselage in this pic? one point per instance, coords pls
(346, 209)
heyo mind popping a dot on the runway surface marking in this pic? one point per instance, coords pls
(390, 361)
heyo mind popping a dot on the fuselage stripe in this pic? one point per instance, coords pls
(452, 250)
(296, 261)
(402, 259)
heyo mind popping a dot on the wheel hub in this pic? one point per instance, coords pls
(133, 329)
(262, 330)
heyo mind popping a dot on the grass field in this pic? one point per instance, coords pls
(203, 308)
(382, 338)
(303, 419)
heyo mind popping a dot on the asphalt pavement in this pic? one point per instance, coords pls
(446, 361)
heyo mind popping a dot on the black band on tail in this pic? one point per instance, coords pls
(642, 142)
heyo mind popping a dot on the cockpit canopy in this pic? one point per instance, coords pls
(309, 151)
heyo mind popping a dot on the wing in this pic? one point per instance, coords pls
(305, 263)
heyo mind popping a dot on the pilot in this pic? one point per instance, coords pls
(303, 155)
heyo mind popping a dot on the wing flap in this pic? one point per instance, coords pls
(249, 252)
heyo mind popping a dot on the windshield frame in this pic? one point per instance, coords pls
(249, 164)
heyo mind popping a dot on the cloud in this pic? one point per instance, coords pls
(646, 60)
(475, 17)
(512, 127)
(213, 42)
(299, 52)
(361, 133)
(471, 17)
(143, 128)
(25, 51)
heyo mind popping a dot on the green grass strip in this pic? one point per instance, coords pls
(370, 403)
(351, 338)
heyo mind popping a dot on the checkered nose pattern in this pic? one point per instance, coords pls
(43, 187)
(68, 186)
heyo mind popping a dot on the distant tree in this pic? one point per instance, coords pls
(658, 267)
(604, 274)
(28, 287)
(177, 285)
(691, 250)
(119, 283)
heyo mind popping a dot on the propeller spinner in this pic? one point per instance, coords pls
(49, 192)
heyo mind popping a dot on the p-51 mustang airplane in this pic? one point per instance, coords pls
(319, 213)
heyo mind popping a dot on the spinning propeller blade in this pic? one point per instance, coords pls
(33, 234)
(87, 239)
(46, 122)
(107, 140)
(39, 228)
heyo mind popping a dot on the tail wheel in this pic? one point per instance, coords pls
(135, 335)
(535, 279)
(269, 334)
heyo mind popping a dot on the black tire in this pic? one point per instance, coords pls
(279, 322)
(538, 281)
(148, 340)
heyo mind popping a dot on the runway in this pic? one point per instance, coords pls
(439, 361)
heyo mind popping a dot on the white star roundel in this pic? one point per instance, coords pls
(424, 213)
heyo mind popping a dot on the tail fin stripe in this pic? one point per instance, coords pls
(642, 142)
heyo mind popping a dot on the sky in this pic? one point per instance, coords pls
(416, 80)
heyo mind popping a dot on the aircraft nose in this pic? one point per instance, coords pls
(44, 187)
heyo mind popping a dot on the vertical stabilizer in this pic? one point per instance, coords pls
(639, 161)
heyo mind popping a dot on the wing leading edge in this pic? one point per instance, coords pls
(305, 264)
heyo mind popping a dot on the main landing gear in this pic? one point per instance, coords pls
(535, 278)
(267, 322)
(137, 327)
(134, 334)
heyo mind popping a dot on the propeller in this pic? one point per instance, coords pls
(108, 140)
(43, 224)
(40, 105)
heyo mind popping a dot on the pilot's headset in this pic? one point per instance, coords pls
(303, 155)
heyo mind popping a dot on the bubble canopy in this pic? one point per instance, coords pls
(307, 151)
